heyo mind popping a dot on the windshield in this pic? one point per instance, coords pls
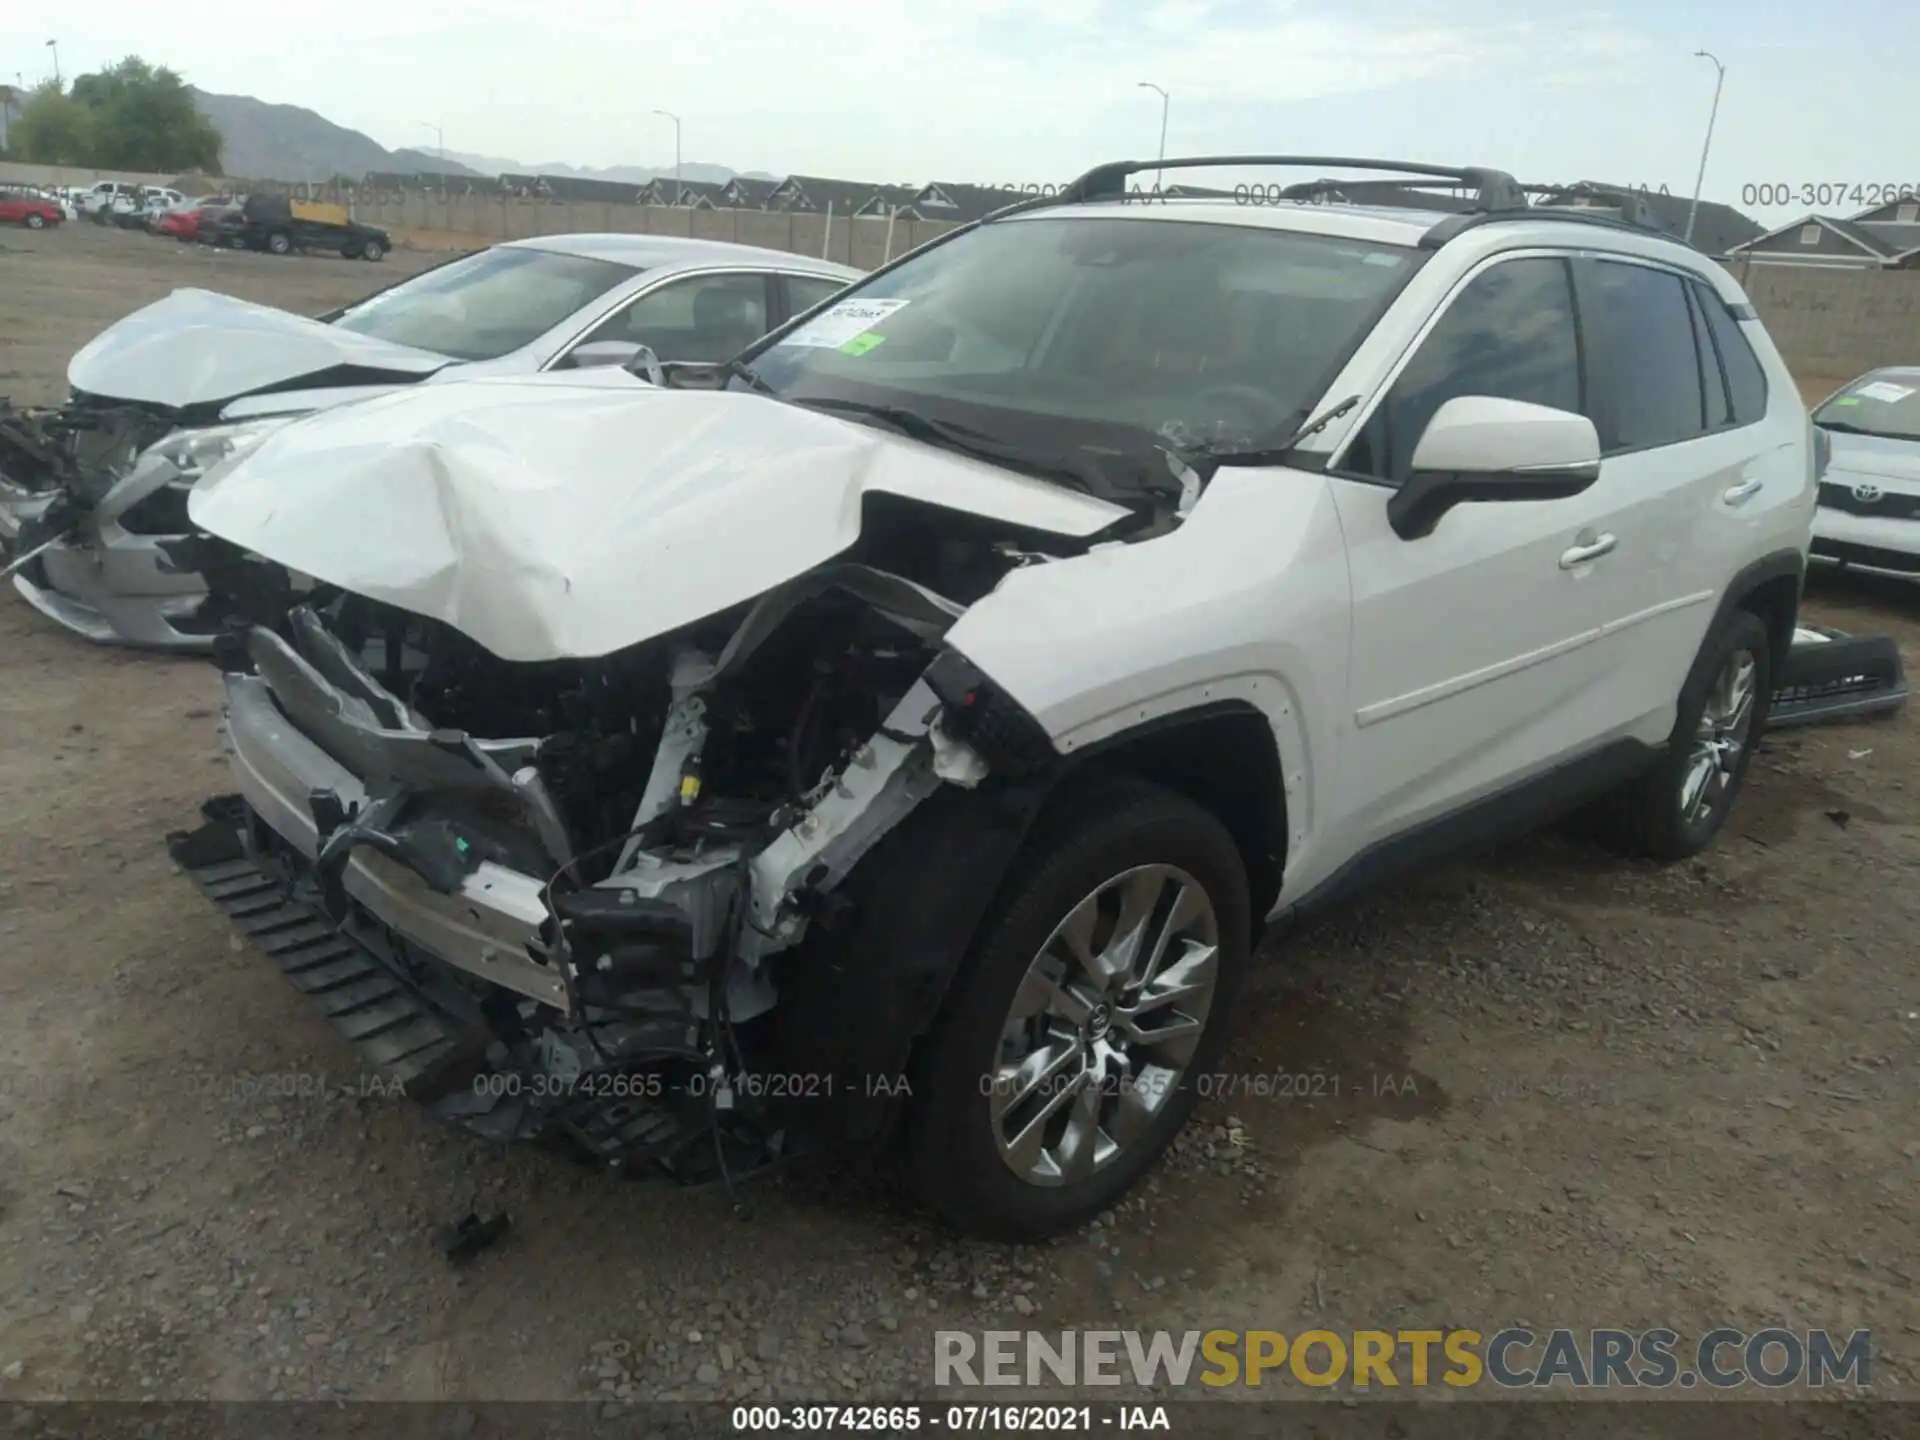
(1093, 333)
(485, 305)
(1886, 403)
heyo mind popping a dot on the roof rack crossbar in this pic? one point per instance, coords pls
(1494, 189)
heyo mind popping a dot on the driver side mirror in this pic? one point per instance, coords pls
(1479, 448)
(596, 353)
(638, 360)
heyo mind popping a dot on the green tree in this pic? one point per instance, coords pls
(142, 117)
(52, 128)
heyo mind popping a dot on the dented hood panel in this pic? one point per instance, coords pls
(547, 519)
(199, 348)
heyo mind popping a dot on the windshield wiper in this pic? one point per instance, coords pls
(1273, 454)
(1842, 427)
(755, 381)
(952, 435)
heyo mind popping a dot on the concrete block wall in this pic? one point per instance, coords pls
(21, 173)
(1834, 324)
(440, 220)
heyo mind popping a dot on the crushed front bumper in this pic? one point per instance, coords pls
(488, 927)
(430, 1043)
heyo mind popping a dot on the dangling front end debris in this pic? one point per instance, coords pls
(554, 805)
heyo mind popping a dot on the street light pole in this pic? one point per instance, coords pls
(54, 45)
(1165, 100)
(678, 189)
(1719, 80)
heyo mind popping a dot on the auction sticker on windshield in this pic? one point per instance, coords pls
(843, 322)
(1884, 390)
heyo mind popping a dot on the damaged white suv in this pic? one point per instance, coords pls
(918, 718)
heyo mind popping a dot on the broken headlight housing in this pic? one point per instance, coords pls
(194, 452)
(169, 468)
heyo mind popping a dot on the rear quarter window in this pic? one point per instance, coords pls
(1746, 380)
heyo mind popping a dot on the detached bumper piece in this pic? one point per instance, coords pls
(505, 1082)
(1830, 675)
(392, 1031)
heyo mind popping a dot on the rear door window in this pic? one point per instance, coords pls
(1746, 381)
(1643, 346)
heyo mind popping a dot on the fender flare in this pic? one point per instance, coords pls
(874, 972)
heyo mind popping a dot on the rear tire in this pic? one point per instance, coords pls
(1022, 1007)
(35, 222)
(1676, 808)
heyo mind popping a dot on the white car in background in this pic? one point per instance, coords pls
(1869, 515)
(96, 201)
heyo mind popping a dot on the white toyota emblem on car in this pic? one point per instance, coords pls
(1866, 494)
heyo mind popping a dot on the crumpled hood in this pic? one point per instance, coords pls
(199, 348)
(550, 518)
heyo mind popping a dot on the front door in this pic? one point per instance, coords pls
(1474, 660)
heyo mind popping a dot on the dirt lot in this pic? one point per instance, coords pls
(1573, 1091)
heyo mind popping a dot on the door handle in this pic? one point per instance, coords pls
(1588, 550)
(1744, 491)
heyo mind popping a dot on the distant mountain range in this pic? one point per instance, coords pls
(288, 142)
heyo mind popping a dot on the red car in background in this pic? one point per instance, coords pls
(183, 221)
(36, 212)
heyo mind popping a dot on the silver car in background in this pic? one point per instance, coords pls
(1869, 515)
(93, 493)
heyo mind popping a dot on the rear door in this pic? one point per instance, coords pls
(1688, 471)
(1473, 657)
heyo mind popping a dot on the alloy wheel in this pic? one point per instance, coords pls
(1104, 1024)
(1719, 739)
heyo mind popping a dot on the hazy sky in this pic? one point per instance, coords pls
(1008, 91)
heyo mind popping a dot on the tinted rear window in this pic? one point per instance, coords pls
(1645, 349)
(1746, 381)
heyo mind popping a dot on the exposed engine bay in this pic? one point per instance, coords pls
(676, 815)
(80, 449)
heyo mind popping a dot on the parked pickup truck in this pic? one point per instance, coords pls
(282, 226)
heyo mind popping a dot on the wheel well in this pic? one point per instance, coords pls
(1776, 603)
(1226, 761)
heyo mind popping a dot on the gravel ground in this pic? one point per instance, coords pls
(1552, 1087)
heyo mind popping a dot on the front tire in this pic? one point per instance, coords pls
(1677, 807)
(1096, 992)
(280, 243)
(372, 250)
(36, 222)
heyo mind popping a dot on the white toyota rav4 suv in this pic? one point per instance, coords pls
(919, 717)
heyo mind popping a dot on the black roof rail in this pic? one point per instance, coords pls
(1636, 216)
(1308, 189)
(1632, 204)
(1494, 189)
